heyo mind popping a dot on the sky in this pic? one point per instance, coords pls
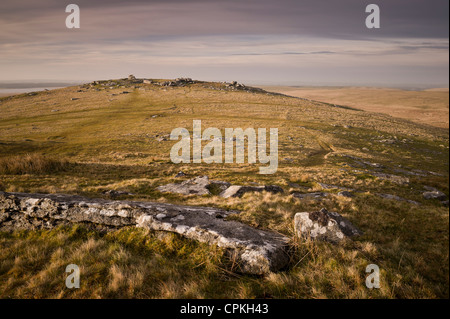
(277, 42)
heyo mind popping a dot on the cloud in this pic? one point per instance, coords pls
(284, 39)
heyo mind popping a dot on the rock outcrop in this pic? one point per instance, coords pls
(200, 185)
(314, 195)
(324, 225)
(435, 195)
(398, 198)
(256, 251)
(239, 191)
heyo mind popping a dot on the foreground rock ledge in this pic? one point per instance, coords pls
(256, 251)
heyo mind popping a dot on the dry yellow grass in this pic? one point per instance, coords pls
(111, 143)
(30, 164)
(425, 107)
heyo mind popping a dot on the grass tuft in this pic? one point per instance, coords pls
(30, 164)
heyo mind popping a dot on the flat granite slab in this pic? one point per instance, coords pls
(257, 251)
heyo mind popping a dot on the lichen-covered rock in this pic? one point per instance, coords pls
(397, 198)
(202, 185)
(435, 195)
(315, 195)
(346, 194)
(400, 180)
(256, 251)
(324, 225)
(199, 186)
(239, 191)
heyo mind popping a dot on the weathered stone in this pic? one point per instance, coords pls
(202, 185)
(197, 186)
(324, 225)
(217, 187)
(315, 195)
(435, 195)
(180, 174)
(273, 189)
(328, 186)
(256, 251)
(397, 198)
(113, 193)
(346, 194)
(393, 178)
(412, 173)
(239, 191)
(20, 208)
(163, 138)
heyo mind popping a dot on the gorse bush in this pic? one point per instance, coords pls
(30, 164)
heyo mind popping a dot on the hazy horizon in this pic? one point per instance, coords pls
(50, 84)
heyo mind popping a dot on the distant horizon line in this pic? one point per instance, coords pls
(46, 83)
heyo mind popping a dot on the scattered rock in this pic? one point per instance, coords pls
(163, 138)
(434, 173)
(273, 189)
(315, 195)
(256, 251)
(324, 225)
(179, 82)
(200, 185)
(412, 173)
(376, 165)
(387, 141)
(180, 174)
(397, 198)
(328, 186)
(393, 178)
(113, 193)
(239, 191)
(346, 194)
(435, 195)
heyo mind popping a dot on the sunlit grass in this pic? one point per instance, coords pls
(51, 144)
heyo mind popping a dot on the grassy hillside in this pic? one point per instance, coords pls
(90, 139)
